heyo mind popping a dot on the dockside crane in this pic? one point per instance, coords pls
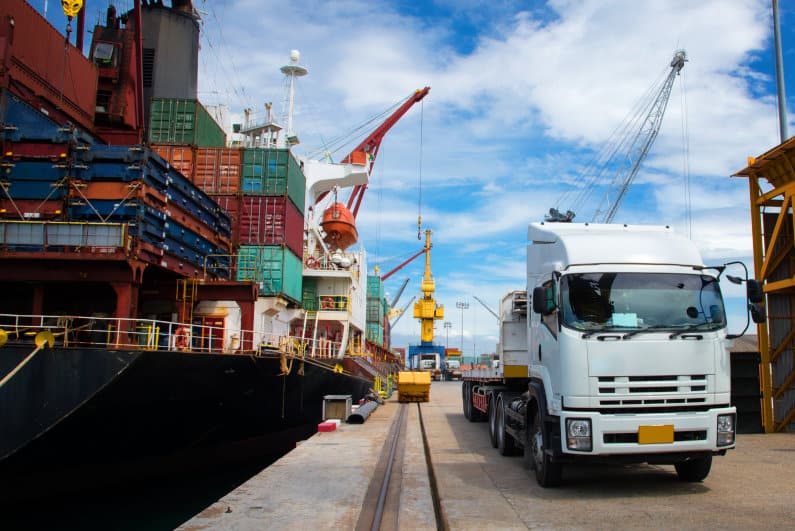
(426, 309)
(624, 154)
(369, 146)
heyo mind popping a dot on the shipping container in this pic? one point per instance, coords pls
(375, 310)
(375, 333)
(375, 287)
(276, 270)
(217, 170)
(183, 122)
(35, 63)
(131, 164)
(181, 158)
(265, 220)
(35, 189)
(273, 172)
(34, 151)
(34, 209)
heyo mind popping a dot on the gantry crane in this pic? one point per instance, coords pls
(624, 154)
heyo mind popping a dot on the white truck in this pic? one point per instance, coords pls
(619, 354)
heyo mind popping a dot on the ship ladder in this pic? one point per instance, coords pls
(186, 294)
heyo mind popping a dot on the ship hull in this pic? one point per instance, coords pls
(83, 408)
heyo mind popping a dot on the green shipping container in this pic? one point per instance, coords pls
(375, 310)
(375, 288)
(274, 172)
(275, 268)
(183, 123)
(309, 298)
(375, 333)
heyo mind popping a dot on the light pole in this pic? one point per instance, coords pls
(462, 306)
(447, 326)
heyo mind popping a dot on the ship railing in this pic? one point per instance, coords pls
(334, 262)
(152, 334)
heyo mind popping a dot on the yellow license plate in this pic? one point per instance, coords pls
(656, 434)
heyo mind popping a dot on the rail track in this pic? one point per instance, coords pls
(381, 506)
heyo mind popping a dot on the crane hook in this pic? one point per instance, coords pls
(419, 227)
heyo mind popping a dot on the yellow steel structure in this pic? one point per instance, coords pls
(426, 309)
(771, 183)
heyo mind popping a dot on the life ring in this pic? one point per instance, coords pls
(181, 338)
(311, 262)
(326, 303)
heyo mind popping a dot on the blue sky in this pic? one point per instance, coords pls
(522, 93)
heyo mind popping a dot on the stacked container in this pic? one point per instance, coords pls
(376, 311)
(262, 189)
(269, 210)
(173, 222)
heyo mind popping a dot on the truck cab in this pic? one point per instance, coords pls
(616, 352)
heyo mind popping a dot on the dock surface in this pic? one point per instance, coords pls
(329, 481)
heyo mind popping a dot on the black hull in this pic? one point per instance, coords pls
(87, 409)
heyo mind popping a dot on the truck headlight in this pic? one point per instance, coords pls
(578, 435)
(726, 429)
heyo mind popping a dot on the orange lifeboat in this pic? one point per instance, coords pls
(339, 226)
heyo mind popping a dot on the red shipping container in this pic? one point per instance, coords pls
(180, 158)
(218, 170)
(265, 220)
(31, 209)
(231, 203)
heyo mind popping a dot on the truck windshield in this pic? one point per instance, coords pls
(639, 301)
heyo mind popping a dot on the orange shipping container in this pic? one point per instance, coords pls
(218, 170)
(180, 157)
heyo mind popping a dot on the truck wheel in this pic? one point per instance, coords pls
(504, 441)
(548, 473)
(694, 469)
(492, 422)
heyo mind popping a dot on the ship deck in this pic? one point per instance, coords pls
(329, 482)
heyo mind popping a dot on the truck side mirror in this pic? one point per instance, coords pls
(753, 289)
(542, 300)
(757, 313)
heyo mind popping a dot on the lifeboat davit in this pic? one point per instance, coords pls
(340, 226)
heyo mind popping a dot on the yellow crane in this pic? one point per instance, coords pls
(426, 309)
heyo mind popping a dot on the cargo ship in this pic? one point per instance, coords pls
(165, 289)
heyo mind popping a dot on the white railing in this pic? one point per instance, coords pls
(73, 331)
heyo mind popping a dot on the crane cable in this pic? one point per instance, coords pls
(419, 195)
(686, 160)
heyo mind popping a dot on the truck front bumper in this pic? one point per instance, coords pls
(628, 434)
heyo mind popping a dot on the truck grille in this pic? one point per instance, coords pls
(640, 391)
(679, 436)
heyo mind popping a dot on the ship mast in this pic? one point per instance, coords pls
(292, 71)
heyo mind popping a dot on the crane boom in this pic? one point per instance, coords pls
(492, 312)
(642, 141)
(624, 153)
(369, 146)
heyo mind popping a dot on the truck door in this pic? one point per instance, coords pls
(543, 340)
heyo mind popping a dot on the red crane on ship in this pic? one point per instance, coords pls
(339, 220)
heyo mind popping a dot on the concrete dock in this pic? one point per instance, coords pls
(327, 483)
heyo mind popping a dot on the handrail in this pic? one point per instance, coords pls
(74, 331)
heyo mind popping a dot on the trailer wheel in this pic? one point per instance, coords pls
(505, 443)
(548, 473)
(492, 422)
(694, 470)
